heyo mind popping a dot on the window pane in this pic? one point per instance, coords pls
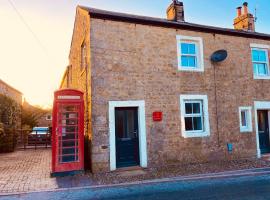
(196, 108)
(192, 61)
(188, 61)
(262, 56)
(243, 118)
(184, 48)
(187, 48)
(255, 69)
(192, 49)
(188, 123)
(184, 61)
(262, 69)
(259, 56)
(188, 108)
(255, 55)
(197, 123)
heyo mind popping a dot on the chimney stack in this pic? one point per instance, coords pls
(244, 20)
(175, 12)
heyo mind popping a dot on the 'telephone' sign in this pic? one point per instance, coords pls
(68, 97)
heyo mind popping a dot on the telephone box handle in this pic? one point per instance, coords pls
(56, 131)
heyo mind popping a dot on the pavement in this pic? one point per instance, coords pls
(26, 175)
(29, 170)
(227, 188)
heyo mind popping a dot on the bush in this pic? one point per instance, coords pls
(8, 141)
(9, 121)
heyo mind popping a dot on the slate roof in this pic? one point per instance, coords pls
(161, 22)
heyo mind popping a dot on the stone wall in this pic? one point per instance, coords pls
(139, 62)
(78, 78)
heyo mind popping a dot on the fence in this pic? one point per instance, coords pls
(29, 139)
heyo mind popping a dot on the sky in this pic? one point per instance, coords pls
(36, 35)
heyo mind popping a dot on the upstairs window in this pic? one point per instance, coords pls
(83, 56)
(190, 53)
(260, 61)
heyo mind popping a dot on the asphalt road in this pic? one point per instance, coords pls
(241, 188)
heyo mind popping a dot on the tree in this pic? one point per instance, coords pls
(31, 114)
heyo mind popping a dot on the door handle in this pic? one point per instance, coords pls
(136, 133)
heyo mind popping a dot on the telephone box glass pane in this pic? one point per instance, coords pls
(68, 133)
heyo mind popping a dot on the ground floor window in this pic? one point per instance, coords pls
(245, 119)
(194, 115)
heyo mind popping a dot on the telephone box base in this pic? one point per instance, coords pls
(69, 173)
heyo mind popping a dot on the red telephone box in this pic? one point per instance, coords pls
(68, 132)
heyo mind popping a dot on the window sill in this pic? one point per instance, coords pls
(245, 130)
(180, 68)
(261, 77)
(195, 134)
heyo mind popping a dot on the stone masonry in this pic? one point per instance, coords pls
(132, 61)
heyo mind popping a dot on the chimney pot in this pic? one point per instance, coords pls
(239, 11)
(245, 6)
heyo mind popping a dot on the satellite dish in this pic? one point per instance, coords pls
(219, 56)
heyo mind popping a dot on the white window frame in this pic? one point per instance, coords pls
(206, 127)
(198, 41)
(265, 48)
(248, 127)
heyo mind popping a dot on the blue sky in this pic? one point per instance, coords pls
(37, 71)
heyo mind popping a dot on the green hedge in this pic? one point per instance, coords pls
(8, 141)
(9, 117)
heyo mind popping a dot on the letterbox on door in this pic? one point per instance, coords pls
(68, 132)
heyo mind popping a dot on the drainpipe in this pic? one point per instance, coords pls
(217, 120)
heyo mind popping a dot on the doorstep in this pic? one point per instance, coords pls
(266, 157)
(130, 171)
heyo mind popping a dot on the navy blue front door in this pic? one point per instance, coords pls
(126, 132)
(263, 128)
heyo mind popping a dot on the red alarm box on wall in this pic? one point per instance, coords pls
(67, 132)
(157, 116)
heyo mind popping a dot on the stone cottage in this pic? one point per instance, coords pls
(153, 96)
(11, 92)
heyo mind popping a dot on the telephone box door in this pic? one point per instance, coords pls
(68, 133)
